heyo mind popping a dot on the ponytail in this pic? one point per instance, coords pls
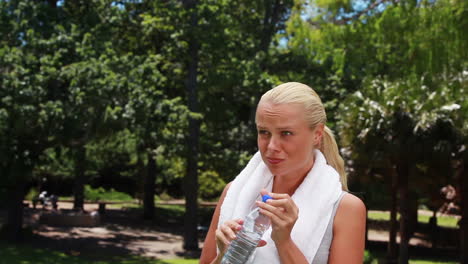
(329, 148)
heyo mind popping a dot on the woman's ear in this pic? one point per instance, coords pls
(318, 134)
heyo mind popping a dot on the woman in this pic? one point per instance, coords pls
(313, 219)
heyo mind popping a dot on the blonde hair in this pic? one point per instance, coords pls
(298, 93)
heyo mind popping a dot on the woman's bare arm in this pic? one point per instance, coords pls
(349, 228)
(209, 253)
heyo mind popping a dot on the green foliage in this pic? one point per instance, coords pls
(419, 261)
(100, 194)
(392, 38)
(114, 153)
(369, 258)
(55, 162)
(80, 74)
(211, 185)
(419, 120)
(32, 194)
(111, 79)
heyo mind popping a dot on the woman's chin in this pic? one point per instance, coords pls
(276, 171)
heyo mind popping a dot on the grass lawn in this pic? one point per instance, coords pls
(445, 221)
(379, 215)
(28, 255)
(417, 261)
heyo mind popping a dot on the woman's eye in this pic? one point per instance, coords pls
(286, 133)
(263, 132)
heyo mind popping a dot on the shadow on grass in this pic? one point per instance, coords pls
(66, 245)
(22, 254)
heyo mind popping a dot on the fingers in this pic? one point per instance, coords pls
(239, 221)
(278, 196)
(282, 211)
(287, 204)
(261, 243)
(230, 229)
(227, 232)
(270, 210)
(282, 207)
(276, 220)
(221, 238)
(263, 192)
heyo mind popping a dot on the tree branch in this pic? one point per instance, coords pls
(344, 21)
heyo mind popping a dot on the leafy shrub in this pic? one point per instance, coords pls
(33, 193)
(101, 194)
(211, 185)
(164, 197)
(369, 258)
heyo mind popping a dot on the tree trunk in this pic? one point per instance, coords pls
(149, 186)
(141, 172)
(270, 19)
(402, 169)
(463, 181)
(434, 229)
(80, 178)
(191, 177)
(52, 3)
(412, 214)
(14, 222)
(392, 247)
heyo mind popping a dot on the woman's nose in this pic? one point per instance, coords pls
(273, 144)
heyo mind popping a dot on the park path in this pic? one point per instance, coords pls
(119, 234)
(124, 234)
(110, 240)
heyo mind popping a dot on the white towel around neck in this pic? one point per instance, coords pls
(315, 198)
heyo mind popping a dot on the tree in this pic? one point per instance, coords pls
(407, 131)
(395, 44)
(30, 113)
(191, 178)
(157, 122)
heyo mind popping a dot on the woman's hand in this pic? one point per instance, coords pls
(226, 233)
(283, 214)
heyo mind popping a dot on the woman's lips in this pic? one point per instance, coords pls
(274, 161)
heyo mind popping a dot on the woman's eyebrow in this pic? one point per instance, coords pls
(277, 128)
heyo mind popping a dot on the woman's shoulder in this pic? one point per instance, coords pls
(350, 208)
(351, 202)
(349, 229)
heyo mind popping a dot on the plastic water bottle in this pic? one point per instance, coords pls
(240, 249)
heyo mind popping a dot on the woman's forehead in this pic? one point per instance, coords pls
(284, 115)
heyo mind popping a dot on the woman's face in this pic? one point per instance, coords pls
(285, 140)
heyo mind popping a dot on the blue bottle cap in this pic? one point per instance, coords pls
(266, 197)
